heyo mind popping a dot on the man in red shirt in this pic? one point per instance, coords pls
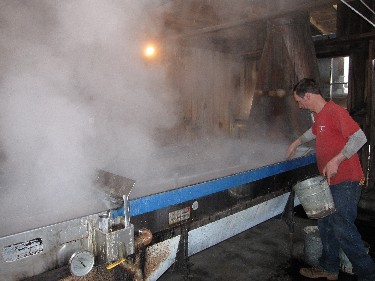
(338, 138)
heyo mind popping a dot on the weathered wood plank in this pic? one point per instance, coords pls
(208, 85)
(288, 54)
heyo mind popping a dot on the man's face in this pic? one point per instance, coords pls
(302, 102)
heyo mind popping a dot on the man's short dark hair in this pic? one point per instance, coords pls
(306, 85)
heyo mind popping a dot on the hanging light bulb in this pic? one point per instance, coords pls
(150, 51)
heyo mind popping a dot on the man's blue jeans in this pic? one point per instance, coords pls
(339, 231)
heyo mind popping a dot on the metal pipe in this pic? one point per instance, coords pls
(362, 16)
(367, 6)
(126, 211)
(144, 238)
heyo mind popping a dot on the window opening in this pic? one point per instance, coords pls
(334, 75)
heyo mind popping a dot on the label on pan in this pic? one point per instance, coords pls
(22, 250)
(179, 215)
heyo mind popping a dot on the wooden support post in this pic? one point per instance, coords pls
(370, 120)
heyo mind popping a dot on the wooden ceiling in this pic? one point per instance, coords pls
(238, 26)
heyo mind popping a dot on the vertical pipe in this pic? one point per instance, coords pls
(331, 80)
(126, 211)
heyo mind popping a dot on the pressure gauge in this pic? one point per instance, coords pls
(81, 263)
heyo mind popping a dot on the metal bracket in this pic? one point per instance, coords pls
(182, 257)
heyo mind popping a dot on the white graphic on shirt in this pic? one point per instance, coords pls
(322, 129)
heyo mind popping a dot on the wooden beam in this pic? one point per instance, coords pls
(253, 55)
(370, 116)
(318, 26)
(270, 15)
(341, 46)
(347, 39)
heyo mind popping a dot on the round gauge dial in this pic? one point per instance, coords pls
(81, 263)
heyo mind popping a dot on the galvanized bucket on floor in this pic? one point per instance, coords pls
(313, 250)
(315, 197)
(313, 245)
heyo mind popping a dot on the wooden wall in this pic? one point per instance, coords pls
(369, 125)
(210, 89)
(361, 92)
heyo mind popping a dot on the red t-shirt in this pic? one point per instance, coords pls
(332, 128)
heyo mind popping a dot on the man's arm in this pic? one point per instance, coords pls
(355, 142)
(305, 137)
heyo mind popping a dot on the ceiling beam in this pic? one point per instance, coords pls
(341, 46)
(347, 39)
(270, 15)
(318, 26)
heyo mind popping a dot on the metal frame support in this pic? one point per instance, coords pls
(288, 217)
(182, 257)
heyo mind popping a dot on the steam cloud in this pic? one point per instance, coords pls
(76, 96)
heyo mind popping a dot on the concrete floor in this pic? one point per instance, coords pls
(262, 253)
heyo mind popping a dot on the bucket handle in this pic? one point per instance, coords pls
(309, 177)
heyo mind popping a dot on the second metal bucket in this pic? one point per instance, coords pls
(315, 197)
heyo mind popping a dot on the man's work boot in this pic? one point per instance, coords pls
(313, 272)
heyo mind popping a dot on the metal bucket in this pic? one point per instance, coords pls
(313, 250)
(315, 197)
(345, 264)
(313, 245)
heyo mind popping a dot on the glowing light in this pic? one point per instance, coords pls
(150, 51)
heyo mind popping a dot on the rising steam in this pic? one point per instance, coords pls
(76, 96)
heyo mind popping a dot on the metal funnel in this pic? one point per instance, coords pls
(115, 187)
